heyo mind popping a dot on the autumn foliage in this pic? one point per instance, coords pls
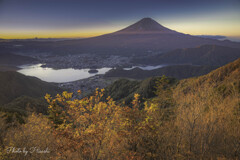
(197, 118)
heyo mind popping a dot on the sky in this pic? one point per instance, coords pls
(77, 18)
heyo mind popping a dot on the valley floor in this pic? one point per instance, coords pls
(87, 85)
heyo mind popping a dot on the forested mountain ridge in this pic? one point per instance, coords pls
(223, 79)
(123, 90)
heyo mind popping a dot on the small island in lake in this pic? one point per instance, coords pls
(93, 71)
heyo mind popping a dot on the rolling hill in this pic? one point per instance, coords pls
(14, 85)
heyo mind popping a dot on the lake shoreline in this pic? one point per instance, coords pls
(68, 74)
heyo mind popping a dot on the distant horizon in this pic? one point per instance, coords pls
(24, 19)
(232, 38)
(94, 34)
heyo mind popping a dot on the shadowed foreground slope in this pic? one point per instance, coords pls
(13, 85)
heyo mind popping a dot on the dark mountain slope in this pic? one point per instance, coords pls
(123, 90)
(14, 60)
(203, 55)
(176, 71)
(224, 81)
(23, 104)
(13, 85)
(8, 68)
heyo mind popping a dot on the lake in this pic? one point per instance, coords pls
(67, 75)
(58, 75)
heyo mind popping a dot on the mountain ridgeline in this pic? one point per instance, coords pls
(213, 55)
(223, 81)
(181, 63)
(19, 92)
(176, 71)
(142, 37)
(145, 25)
(10, 59)
(123, 90)
(14, 84)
